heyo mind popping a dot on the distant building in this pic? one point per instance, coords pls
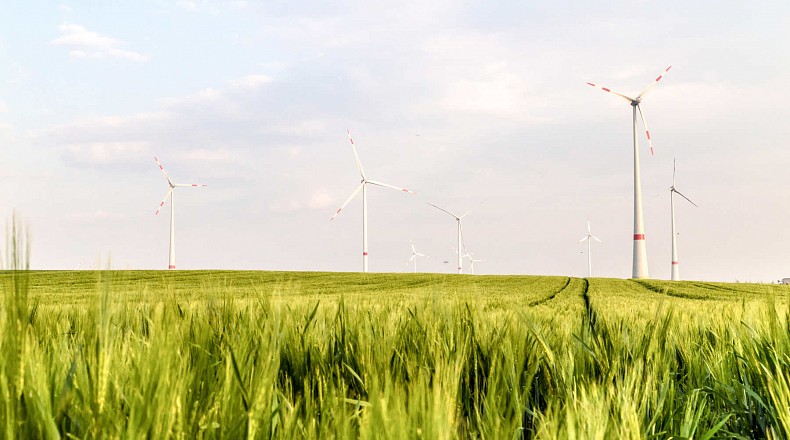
(785, 280)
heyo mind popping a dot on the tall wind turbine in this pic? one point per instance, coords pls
(460, 234)
(589, 238)
(672, 192)
(363, 187)
(171, 194)
(640, 250)
(414, 255)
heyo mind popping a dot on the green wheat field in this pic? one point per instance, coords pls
(223, 354)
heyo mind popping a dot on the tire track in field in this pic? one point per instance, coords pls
(668, 292)
(551, 295)
(590, 316)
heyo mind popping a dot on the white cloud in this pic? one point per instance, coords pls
(94, 216)
(89, 44)
(318, 199)
(6, 130)
(103, 152)
(223, 156)
(189, 5)
(251, 81)
(3, 107)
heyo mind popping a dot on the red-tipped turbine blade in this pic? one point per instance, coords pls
(162, 169)
(356, 156)
(647, 131)
(385, 185)
(353, 194)
(164, 199)
(608, 90)
(652, 84)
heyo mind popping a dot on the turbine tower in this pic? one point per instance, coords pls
(460, 234)
(414, 255)
(171, 193)
(363, 187)
(589, 238)
(672, 192)
(639, 269)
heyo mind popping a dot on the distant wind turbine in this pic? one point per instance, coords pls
(171, 194)
(363, 187)
(460, 234)
(589, 238)
(472, 261)
(672, 192)
(414, 255)
(639, 269)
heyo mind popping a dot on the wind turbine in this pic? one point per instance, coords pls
(672, 192)
(414, 255)
(460, 234)
(639, 269)
(171, 194)
(363, 187)
(472, 261)
(589, 238)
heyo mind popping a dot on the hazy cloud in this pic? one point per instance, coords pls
(88, 44)
(103, 153)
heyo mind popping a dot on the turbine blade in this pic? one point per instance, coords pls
(353, 194)
(412, 248)
(385, 185)
(681, 195)
(419, 254)
(647, 130)
(190, 184)
(356, 156)
(162, 169)
(412, 258)
(673, 172)
(608, 90)
(164, 199)
(652, 84)
(442, 209)
(598, 239)
(584, 238)
(588, 227)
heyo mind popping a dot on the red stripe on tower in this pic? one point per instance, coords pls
(639, 236)
(365, 254)
(675, 262)
(172, 266)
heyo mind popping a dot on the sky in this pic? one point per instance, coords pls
(473, 105)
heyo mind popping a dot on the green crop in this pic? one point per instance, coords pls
(221, 354)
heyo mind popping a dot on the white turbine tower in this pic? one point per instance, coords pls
(589, 238)
(640, 250)
(414, 255)
(460, 235)
(363, 187)
(672, 192)
(171, 194)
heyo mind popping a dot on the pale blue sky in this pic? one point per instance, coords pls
(465, 102)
